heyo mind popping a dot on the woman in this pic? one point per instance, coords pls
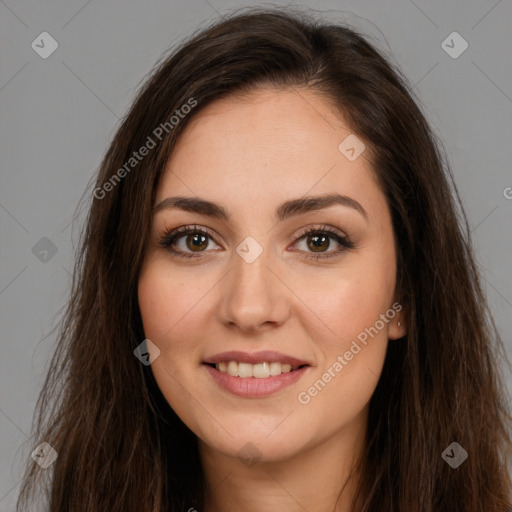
(275, 305)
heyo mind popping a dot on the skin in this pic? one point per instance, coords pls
(250, 154)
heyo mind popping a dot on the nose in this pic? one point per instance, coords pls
(254, 295)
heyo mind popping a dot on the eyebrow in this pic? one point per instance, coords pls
(284, 211)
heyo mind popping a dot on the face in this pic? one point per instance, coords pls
(304, 290)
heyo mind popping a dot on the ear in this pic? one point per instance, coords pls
(395, 331)
(397, 326)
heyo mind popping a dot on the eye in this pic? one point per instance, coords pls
(192, 240)
(195, 239)
(318, 240)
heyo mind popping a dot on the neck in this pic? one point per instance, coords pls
(321, 478)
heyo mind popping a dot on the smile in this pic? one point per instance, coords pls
(251, 386)
(259, 371)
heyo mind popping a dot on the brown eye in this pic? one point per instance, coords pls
(197, 242)
(318, 243)
(187, 241)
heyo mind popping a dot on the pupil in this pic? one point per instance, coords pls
(196, 244)
(318, 240)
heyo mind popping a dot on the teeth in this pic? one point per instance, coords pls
(275, 369)
(260, 370)
(232, 368)
(245, 370)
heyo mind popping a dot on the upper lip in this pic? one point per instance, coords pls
(255, 358)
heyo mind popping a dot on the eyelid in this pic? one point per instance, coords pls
(170, 235)
(168, 239)
(319, 227)
(331, 232)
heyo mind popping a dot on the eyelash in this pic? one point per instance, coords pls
(169, 238)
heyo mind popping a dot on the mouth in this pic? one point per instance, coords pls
(254, 375)
(263, 370)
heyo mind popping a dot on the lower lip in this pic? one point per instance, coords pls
(253, 387)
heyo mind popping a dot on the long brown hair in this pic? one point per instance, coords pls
(120, 445)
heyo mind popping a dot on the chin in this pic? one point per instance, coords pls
(256, 445)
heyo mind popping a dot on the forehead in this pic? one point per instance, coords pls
(265, 147)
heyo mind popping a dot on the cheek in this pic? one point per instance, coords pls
(350, 332)
(163, 307)
(353, 347)
(166, 312)
(155, 303)
(358, 310)
(352, 301)
(174, 310)
(166, 301)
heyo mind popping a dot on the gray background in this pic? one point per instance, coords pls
(59, 114)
